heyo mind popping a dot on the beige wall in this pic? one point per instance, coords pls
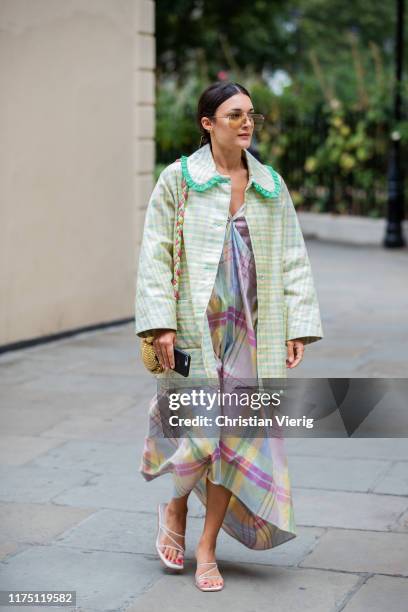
(76, 160)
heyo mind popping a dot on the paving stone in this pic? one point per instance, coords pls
(379, 368)
(97, 456)
(90, 427)
(28, 364)
(26, 421)
(228, 549)
(23, 370)
(76, 383)
(37, 523)
(395, 481)
(125, 491)
(135, 532)
(250, 588)
(335, 473)
(28, 484)
(321, 508)
(102, 580)
(17, 450)
(401, 523)
(79, 350)
(61, 404)
(360, 551)
(380, 593)
(95, 367)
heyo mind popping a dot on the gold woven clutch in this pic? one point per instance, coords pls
(148, 354)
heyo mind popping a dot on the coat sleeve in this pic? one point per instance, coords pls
(155, 305)
(302, 312)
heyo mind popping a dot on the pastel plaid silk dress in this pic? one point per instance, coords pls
(232, 310)
(260, 512)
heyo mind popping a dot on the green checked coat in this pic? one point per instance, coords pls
(287, 302)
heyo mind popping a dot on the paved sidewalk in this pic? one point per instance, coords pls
(75, 514)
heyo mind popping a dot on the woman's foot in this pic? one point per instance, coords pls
(205, 553)
(175, 520)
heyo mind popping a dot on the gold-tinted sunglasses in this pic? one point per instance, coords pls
(237, 118)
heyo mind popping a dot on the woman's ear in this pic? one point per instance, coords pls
(206, 123)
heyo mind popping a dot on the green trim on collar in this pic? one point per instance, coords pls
(200, 186)
(265, 192)
(263, 178)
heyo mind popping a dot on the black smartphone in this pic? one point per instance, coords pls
(182, 362)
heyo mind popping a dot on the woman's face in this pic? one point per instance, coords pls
(226, 128)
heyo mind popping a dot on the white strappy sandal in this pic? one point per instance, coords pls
(161, 525)
(203, 576)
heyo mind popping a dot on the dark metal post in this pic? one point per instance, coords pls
(393, 234)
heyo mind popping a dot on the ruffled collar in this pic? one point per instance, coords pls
(200, 172)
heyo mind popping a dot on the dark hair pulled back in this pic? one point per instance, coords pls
(210, 100)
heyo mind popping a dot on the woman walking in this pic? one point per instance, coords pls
(247, 307)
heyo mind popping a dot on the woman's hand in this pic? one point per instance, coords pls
(295, 352)
(163, 344)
